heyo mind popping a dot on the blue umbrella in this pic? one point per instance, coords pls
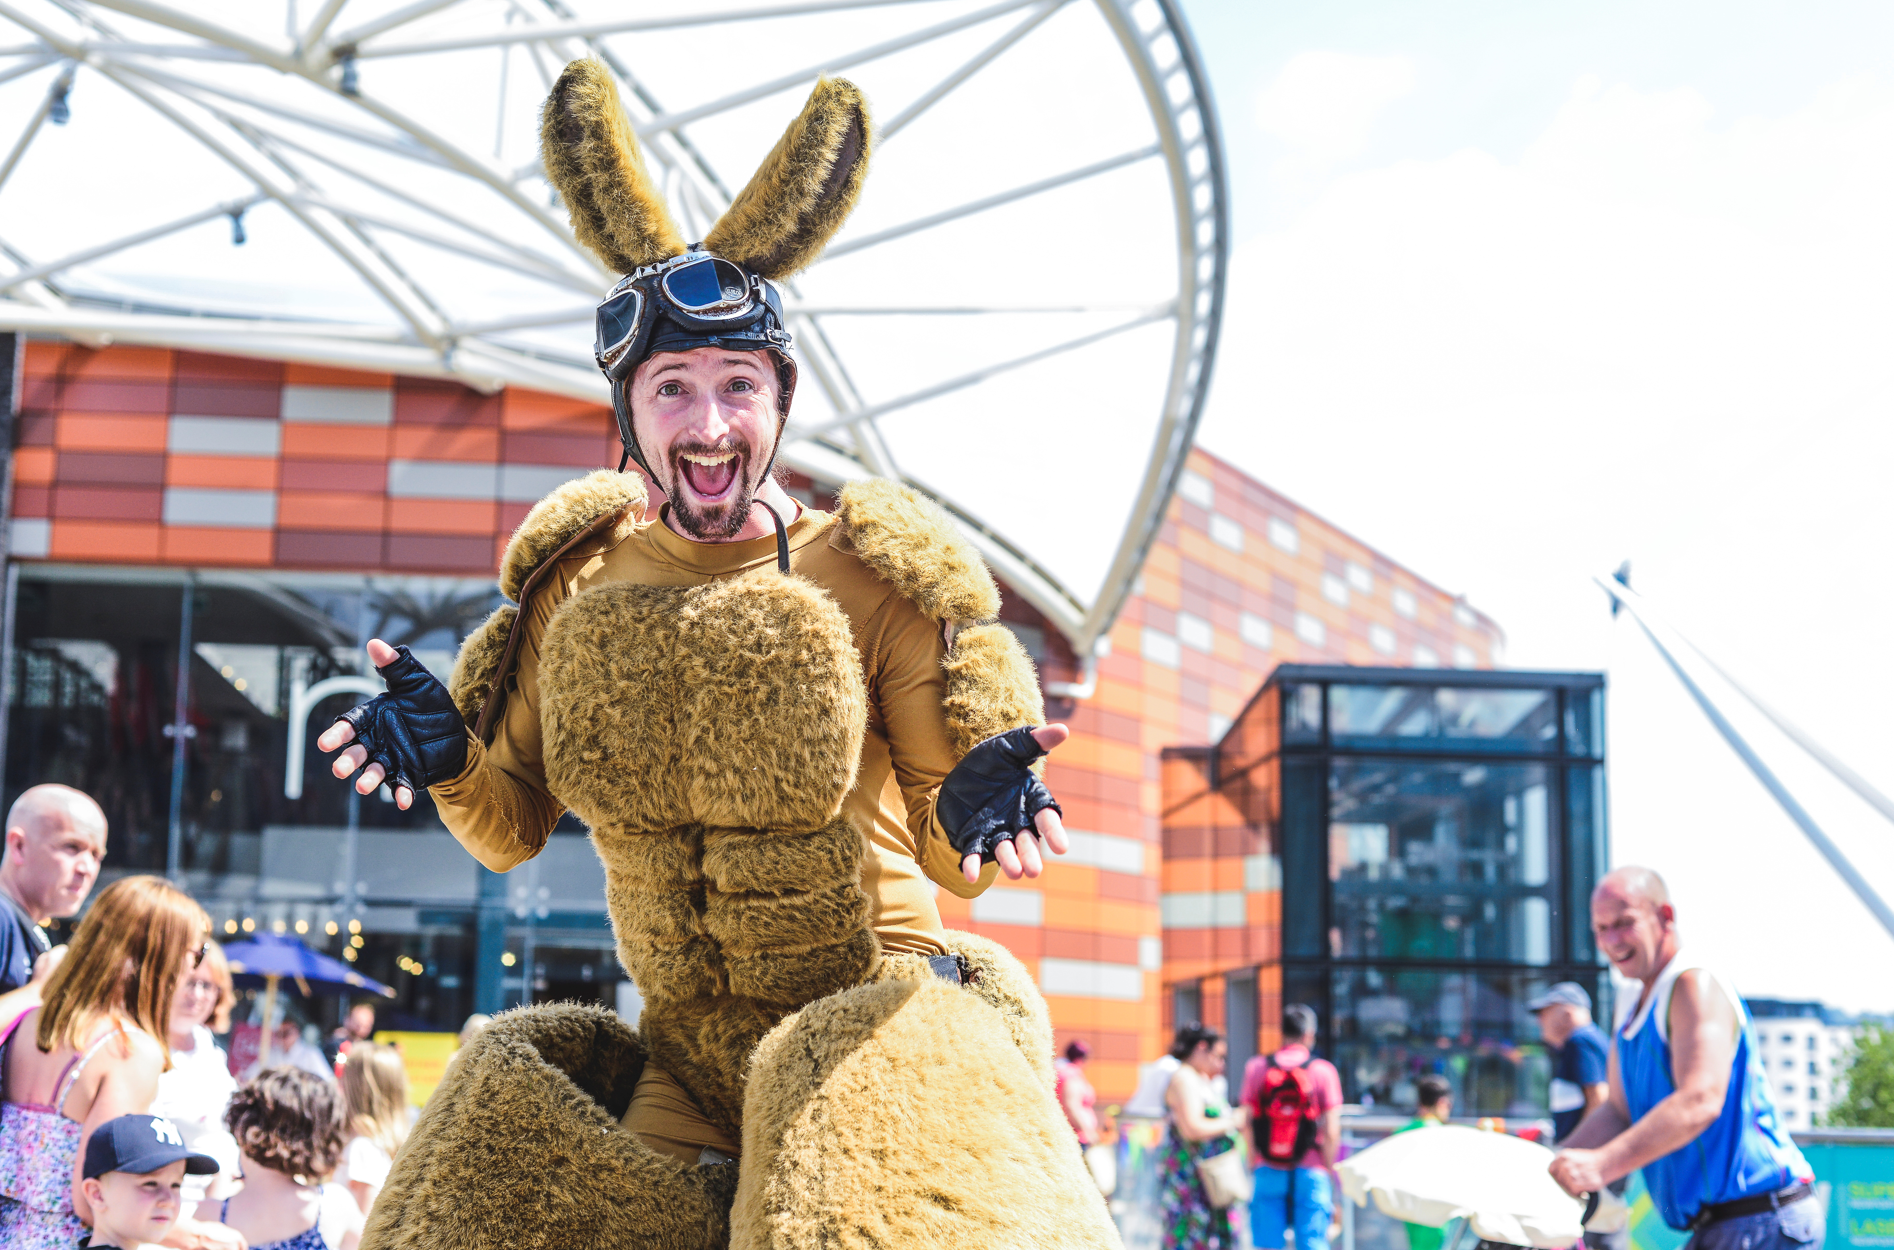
(269, 957)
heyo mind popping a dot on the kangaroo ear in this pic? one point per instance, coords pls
(591, 155)
(804, 190)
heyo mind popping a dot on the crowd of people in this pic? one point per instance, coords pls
(121, 1123)
(1670, 1091)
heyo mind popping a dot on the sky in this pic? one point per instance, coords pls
(1519, 292)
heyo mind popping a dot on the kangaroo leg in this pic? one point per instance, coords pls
(904, 1113)
(520, 1149)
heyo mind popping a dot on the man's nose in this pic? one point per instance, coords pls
(708, 419)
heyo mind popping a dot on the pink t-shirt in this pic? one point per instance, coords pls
(1328, 1089)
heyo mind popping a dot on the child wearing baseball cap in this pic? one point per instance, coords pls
(134, 1167)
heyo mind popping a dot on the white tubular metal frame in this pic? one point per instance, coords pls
(268, 142)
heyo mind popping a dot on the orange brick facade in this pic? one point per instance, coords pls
(147, 456)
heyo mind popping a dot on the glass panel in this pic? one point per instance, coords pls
(94, 666)
(694, 286)
(1186, 1004)
(1587, 854)
(1240, 1019)
(617, 318)
(94, 672)
(1302, 714)
(1585, 723)
(1299, 842)
(731, 282)
(1440, 861)
(1430, 718)
(1392, 1026)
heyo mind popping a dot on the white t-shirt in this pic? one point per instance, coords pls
(339, 1214)
(365, 1163)
(1198, 1092)
(301, 1055)
(194, 1095)
(1153, 1080)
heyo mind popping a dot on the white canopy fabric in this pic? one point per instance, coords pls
(1019, 318)
(1496, 1182)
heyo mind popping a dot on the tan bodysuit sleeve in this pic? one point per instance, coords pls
(909, 685)
(499, 807)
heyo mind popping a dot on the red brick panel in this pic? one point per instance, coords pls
(226, 386)
(306, 549)
(425, 401)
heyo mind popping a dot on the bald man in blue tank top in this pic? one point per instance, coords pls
(1689, 1102)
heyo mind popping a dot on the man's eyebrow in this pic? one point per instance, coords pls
(675, 364)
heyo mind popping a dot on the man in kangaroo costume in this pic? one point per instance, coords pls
(779, 732)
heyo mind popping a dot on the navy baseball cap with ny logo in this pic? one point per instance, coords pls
(140, 1144)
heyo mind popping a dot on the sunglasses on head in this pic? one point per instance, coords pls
(697, 290)
(197, 956)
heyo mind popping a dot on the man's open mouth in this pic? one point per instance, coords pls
(710, 475)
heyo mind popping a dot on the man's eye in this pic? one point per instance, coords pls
(670, 388)
(743, 384)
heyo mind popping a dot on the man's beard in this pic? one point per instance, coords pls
(722, 520)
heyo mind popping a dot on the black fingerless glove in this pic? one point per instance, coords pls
(992, 794)
(414, 731)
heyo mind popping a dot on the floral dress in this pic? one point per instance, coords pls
(37, 1148)
(1188, 1219)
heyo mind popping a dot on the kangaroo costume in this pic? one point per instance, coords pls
(771, 743)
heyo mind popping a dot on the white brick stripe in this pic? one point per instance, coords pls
(1104, 850)
(230, 509)
(224, 436)
(339, 405)
(1007, 906)
(1086, 978)
(1224, 909)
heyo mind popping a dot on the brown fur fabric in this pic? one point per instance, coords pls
(991, 687)
(735, 703)
(478, 661)
(910, 541)
(519, 1149)
(708, 735)
(805, 188)
(902, 1113)
(591, 155)
(562, 514)
(1002, 983)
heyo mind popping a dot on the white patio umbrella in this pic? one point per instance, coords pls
(1496, 1182)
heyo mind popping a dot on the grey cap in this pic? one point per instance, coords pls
(1569, 992)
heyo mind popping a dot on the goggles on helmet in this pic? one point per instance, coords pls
(701, 296)
(695, 300)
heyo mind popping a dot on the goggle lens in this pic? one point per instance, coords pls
(706, 284)
(617, 321)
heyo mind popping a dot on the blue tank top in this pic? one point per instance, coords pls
(1745, 1152)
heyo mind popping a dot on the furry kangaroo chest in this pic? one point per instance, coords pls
(708, 735)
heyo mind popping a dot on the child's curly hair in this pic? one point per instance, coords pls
(289, 1121)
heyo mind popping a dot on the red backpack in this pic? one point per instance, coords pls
(1283, 1115)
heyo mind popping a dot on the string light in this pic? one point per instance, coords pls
(279, 926)
(249, 925)
(506, 960)
(302, 926)
(230, 926)
(355, 926)
(356, 941)
(332, 928)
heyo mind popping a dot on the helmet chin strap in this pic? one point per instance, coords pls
(782, 535)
